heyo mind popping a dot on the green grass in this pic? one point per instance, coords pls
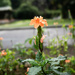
(24, 23)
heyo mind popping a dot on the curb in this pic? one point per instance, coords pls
(30, 27)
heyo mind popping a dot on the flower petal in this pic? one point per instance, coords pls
(36, 25)
(42, 38)
(41, 24)
(32, 22)
(41, 18)
(45, 22)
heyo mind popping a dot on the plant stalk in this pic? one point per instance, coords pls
(43, 71)
(39, 36)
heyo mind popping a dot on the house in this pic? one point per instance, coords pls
(5, 14)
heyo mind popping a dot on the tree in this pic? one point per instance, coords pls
(5, 3)
(16, 3)
(26, 11)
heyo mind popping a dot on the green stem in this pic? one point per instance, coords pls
(43, 71)
(39, 36)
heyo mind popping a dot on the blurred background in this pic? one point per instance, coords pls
(18, 13)
(11, 10)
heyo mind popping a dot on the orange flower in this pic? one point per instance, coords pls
(1, 38)
(27, 71)
(69, 33)
(55, 23)
(35, 53)
(26, 74)
(60, 55)
(42, 38)
(38, 21)
(3, 53)
(0, 48)
(70, 26)
(35, 42)
(67, 61)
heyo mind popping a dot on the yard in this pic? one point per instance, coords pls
(25, 23)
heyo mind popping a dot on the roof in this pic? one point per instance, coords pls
(5, 8)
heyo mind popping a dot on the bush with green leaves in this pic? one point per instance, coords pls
(7, 62)
(72, 28)
(26, 11)
(48, 66)
(70, 66)
(5, 3)
(56, 45)
(22, 51)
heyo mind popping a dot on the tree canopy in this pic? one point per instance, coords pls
(43, 6)
(5, 3)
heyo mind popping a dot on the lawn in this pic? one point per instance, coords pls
(24, 23)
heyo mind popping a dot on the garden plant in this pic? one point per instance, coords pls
(34, 61)
(42, 65)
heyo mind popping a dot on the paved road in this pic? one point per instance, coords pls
(19, 36)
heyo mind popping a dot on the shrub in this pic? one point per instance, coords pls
(7, 62)
(26, 11)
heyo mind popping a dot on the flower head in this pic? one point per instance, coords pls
(60, 55)
(38, 21)
(35, 42)
(1, 38)
(27, 71)
(69, 33)
(70, 26)
(3, 53)
(42, 38)
(35, 53)
(55, 23)
(67, 61)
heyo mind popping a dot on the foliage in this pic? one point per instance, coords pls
(22, 51)
(7, 63)
(27, 11)
(34, 70)
(42, 68)
(44, 5)
(5, 3)
(70, 66)
(56, 45)
(72, 30)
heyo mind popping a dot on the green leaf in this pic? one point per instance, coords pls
(34, 70)
(27, 40)
(30, 41)
(63, 25)
(45, 62)
(51, 74)
(72, 70)
(65, 73)
(36, 46)
(31, 61)
(57, 72)
(61, 58)
(61, 73)
(53, 67)
(55, 63)
(39, 56)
